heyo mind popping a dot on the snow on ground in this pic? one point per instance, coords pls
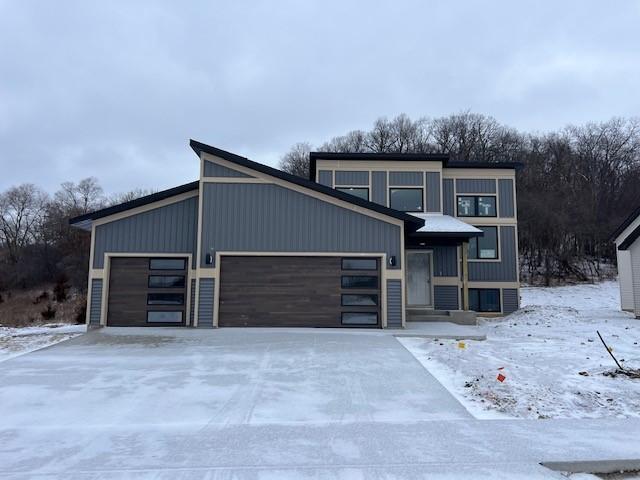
(549, 353)
(16, 341)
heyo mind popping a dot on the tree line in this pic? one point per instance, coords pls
(576, 184)
(37, 244)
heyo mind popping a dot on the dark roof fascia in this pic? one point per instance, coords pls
(82, 220)
(406, 157)
(199, 147)
(632, 237)
(446, 234)
(627, 221)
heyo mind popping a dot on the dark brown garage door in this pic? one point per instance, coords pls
(299, 292)
(147, 292)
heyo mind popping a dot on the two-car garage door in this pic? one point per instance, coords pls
(255, 291)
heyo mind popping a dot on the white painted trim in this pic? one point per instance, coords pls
(233, 180)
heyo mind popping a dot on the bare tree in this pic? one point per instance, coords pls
(296, 160)
(22, 210)
(128, 196)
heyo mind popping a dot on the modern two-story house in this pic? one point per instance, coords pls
(369, 240)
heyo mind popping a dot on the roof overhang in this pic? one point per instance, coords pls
(624, 225)
(437, 225)
(85, 221)
(630, 239)
(405, 157)
(413, 222)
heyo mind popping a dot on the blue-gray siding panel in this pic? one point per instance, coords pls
(212, 169)
(445, 297)
(510, 300)
(325, 177)
(505, 197)
(379, 188)
(433, 191)
(475, 185)
(448, 197)
(399, 179)
(271, 218)
(95, 309)
(205, 302)
(192, 306)
(394, 304)
(351, 178)
(445, 261)
(505, 269)
(169, 229)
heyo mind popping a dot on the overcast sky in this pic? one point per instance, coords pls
(116, 89)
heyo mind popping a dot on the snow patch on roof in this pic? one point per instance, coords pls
(437, 222)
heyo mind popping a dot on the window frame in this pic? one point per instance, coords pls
(375, 287)
(181, 312)
(479, 290)
(156, 303)
(149, 286)
(342, 188)
(154, 259)
(422, 198)
(356, 324)
(375, 304)
(476, 203)
(497, 258)
(348, 269)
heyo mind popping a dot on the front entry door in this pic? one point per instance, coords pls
(419, 279)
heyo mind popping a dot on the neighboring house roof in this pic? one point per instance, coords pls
(627, 221)
(404, 157)
(628, 241)
(439, 225)
(274, 172)
(84, 221)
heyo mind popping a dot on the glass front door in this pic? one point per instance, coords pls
(419, 279)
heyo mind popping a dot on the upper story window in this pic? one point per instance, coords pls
(406, 199)
(360, 192)
(476, 206)
(485, 247)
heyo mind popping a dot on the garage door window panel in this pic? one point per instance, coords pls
(360, 318)
(359, 264)
(166, 281)
(167, 264)
(359, 300)
(159, 316)
(359, 281)
(165, 299)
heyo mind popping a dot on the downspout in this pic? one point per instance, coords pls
(465, 275)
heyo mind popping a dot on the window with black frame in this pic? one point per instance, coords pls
(484, 300)
(406, 199)
(485, 247)
(476, 206)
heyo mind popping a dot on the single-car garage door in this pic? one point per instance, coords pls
(147, 292)
(278, 291)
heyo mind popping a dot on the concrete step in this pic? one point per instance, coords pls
(459, 317)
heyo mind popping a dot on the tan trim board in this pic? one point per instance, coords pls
(494, 285)
(361, 165)
(145, 208)
(310, 192)
(233, 180)
(447, 281)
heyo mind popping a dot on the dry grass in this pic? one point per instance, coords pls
(22, 308)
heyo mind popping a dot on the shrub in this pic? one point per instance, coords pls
(81, 313)
(43, 296)
(49, 313)
(60, 288)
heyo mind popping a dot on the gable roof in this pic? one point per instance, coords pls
(405, 157)
(199, 147)
(84, 221)
(627, 221)
(632, 237)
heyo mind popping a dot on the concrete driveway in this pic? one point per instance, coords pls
(131, 376)
(262, 403)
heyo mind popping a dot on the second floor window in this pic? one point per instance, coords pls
(476, 206)
(485, 247)
(406, 199)
(362, 193)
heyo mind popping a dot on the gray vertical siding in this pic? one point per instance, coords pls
(95, 309)
(433, 191)
(271, 218)
(445, 297)
(505, 196)
(351, 178)
(445, 261)
(212, 169)
(503, 271)
(193, 301)
(379, 188)
(510, 300)
(448, 197)
(394, 304)
(475, 185)
(325, 177)
(399, 179)
(169, 229)
(205, 302)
